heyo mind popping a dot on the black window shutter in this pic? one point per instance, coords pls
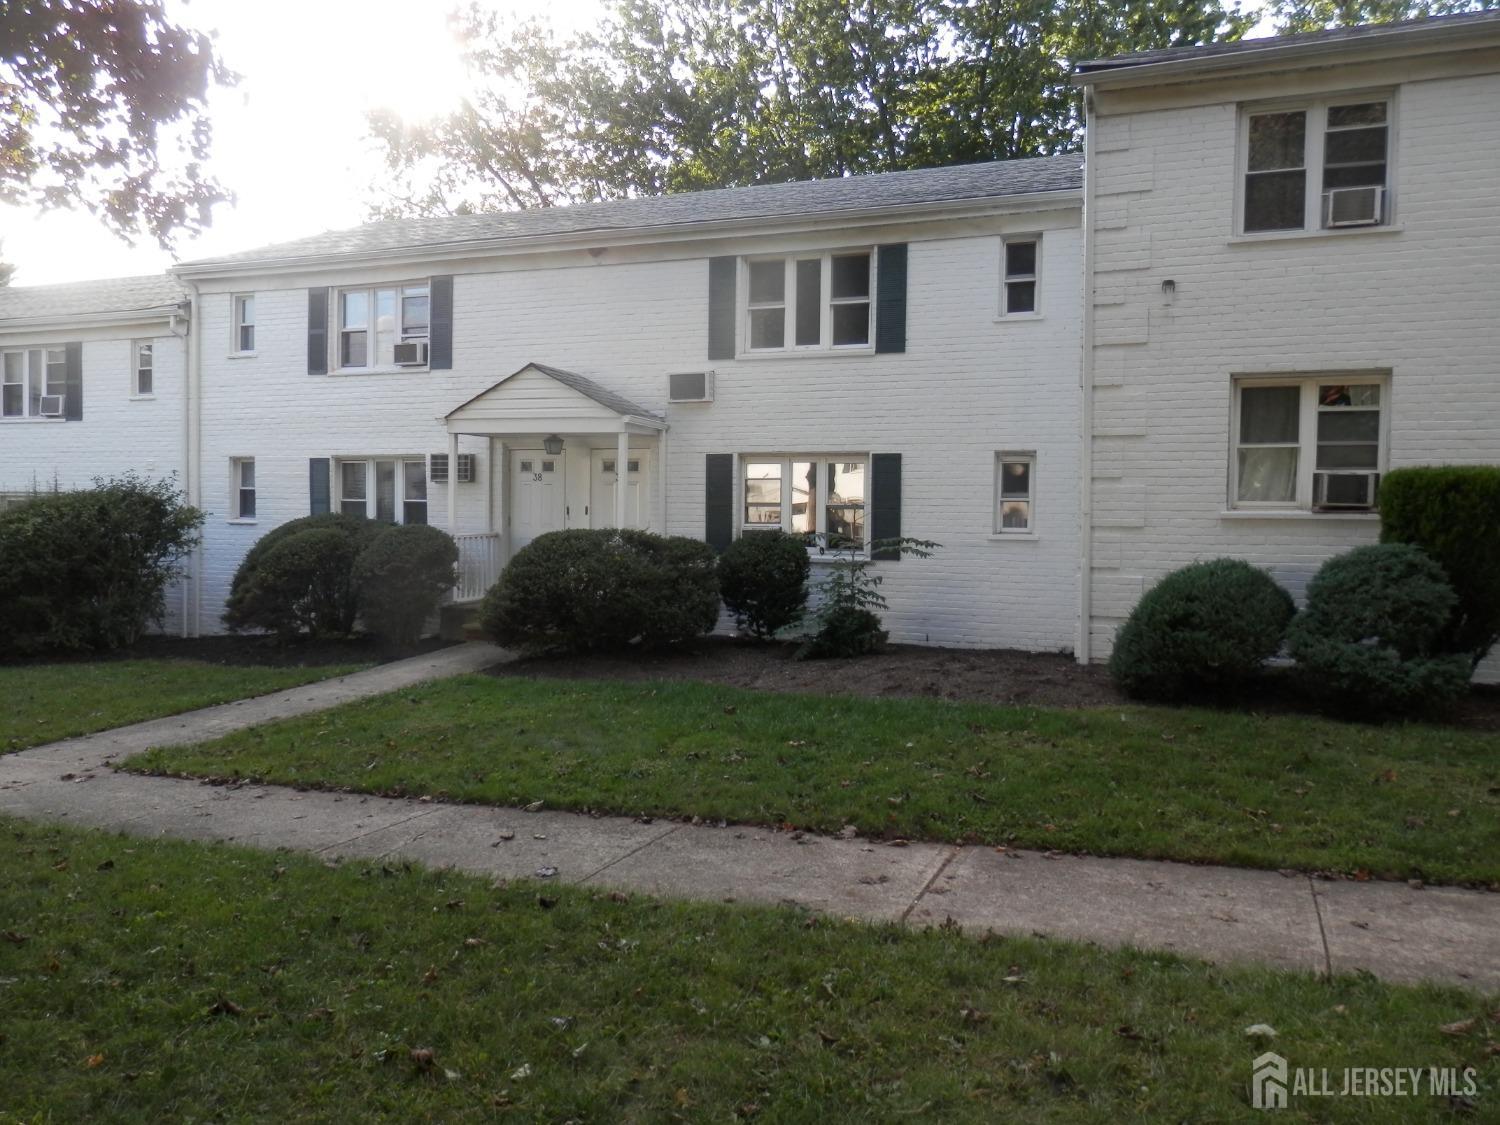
(885, 501)
(890, 297)
(721, 284)
(317, 331)
(73, 383)
(718, 500)
(440, 347)
(319, 470)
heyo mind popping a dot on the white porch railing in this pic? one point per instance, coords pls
(478, 565)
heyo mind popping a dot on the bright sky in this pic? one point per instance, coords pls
(290, 139)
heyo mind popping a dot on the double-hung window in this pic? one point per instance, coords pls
(1015, 499)
(1022, 273)
(371, 322)
(244, 323)
(1310, 443)
(389, 489)
(824, 499)
(142, 376)
(242, 487)
(808, 302)
(1318, 165)
(33, 382)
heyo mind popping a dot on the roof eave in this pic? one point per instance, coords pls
(1280, 54)
(627, 236)
(103, 319)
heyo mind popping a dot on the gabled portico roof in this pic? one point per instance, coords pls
(540, 398)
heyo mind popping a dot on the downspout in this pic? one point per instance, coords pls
(192, 422)
(1083, 650)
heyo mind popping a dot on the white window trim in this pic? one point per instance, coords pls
(1035, 278)
(1307, 441)
(235, 490)
(336, 331)
(820, 506)
(401, 460)
(827, 302)
(28, 376)
(1030, 530)
(135, 369)
(237, 321)
(1316, 109)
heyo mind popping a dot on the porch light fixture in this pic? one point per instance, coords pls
(553, 445)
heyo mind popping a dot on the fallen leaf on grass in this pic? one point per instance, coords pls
(224, 1006)
(1459, 1027)
(94, 1061)
(423, 1057)
(13, 937)
(1260, 1031)
(973, 1015)
(1125, 1031)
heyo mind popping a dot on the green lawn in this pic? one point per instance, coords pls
(165, 981)
(45, 702)
(1260, 791)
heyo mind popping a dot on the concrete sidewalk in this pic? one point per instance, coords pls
(1223, 914)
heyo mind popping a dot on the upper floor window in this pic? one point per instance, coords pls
(244, 322)
(823, 499)
(1022, 273)
(1316, 443)
(33, 383)
(808, 302)
(394, 490)
(1321, 165)
(143, 375)
(373, 324)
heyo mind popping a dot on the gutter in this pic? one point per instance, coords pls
(108, 319)
(1082, 651)
(192, 443)
(632, 236)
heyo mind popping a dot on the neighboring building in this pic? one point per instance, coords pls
(1294, 251)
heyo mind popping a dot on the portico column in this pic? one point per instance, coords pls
(452, 484)
(622, 475)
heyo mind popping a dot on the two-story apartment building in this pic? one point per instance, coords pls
(1293, 261)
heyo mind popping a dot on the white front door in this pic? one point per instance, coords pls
(602, 490)
(538, 501)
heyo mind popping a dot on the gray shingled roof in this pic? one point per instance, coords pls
(807, 197)
(1338, 34)
(81, 298)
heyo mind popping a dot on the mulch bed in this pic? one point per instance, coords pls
(1001, 676)
(254, 651)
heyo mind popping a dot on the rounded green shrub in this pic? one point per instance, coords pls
(89, 569)
(293, 581)
(1453, 513)
(763, 580)
(603, 588)
(1209, 627)
(1369, 637)
(845, 631)
(402, 575)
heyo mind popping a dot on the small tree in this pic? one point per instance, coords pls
(850, 601)
(402, 575)
(763, 580)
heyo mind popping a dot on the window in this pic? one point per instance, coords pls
(808, 302)
(33, 383)
(1015, 503)
(1324, 165)
(1311, 443)
(142, 381)
(1021, 262)
(373, 321)
(824, 499)
(242, 483)
(393, 490)
(244, 323)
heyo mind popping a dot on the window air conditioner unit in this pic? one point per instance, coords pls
(1334, 492)
(437, 471)
(1353, 206)
(690, 386)
(52, 406)
(411, 353)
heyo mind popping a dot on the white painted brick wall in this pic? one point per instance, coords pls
(1420, 301)
(968, 385)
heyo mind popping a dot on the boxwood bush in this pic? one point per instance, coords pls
(1369, 638)
(603, 588)
(89, 569)
(1209, 627)
(1453, 513)
(763, 580)
(402, 575)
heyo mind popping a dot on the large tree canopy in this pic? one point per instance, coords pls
(101, 106)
